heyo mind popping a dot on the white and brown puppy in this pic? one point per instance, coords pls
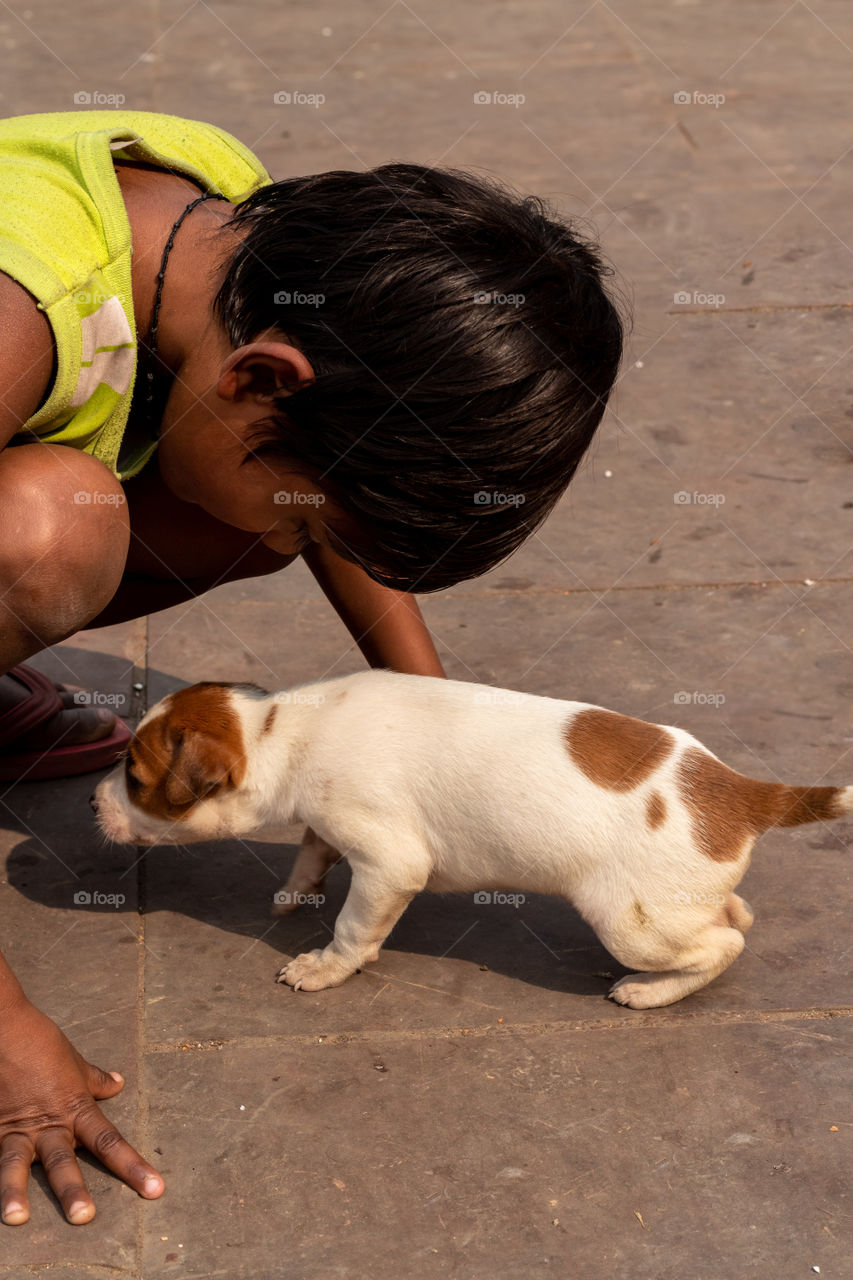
(434, 784)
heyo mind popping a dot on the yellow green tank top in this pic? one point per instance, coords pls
(65, 236)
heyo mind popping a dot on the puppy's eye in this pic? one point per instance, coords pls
(133, 783)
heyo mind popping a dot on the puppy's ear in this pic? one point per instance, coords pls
(200, 766)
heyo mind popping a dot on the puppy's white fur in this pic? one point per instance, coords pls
(434, 784)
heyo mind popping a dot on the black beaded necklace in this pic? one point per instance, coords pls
(153, 427)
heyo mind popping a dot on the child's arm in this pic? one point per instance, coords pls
(386, 625)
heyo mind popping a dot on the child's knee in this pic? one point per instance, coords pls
(64, 534)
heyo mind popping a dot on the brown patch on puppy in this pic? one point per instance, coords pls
(192, 750)
(639, 914)
(728, 809)
(616, 751)
(271, 715)
(655, 810)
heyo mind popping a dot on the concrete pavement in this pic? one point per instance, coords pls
(472, 1106)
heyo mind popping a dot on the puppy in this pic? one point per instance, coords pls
(425, 783)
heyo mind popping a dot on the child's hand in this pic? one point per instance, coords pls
(47, 1107)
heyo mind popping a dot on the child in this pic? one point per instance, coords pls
(392, 373)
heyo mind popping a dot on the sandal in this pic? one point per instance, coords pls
(53, 762)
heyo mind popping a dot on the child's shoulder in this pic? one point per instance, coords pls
(87, 140)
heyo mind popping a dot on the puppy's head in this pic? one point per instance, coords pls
(182, 777)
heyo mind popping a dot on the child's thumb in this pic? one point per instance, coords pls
(103, 1084)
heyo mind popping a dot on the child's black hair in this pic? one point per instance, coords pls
(464, 349)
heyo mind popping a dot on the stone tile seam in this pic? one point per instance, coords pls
(643, 1022)
(140, 677)
(97, 1271)
(763, 306)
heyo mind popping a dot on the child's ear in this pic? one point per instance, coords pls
(263, 370)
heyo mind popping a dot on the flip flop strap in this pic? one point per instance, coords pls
(43, 703)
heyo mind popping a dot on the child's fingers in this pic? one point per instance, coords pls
(16, 1156)
(56, 1152)
(94, 1130)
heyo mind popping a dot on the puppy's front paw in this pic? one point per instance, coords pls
(650, 990)
(314, 971)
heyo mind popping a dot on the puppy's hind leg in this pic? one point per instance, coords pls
(378, 896)
(313, 862)
(712, 950)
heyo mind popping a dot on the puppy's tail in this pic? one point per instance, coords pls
(727, 804)
(791, 806)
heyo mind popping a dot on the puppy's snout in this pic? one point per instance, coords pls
(93, 802)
